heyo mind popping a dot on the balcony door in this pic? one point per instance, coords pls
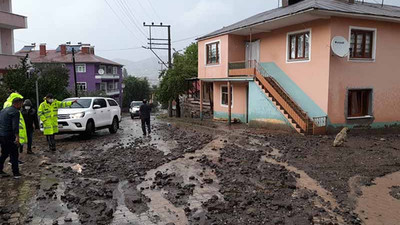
(252, 53)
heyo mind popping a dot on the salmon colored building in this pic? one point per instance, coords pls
(282, 73)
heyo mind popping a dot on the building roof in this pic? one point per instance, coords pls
(54, 56)
(372, 10)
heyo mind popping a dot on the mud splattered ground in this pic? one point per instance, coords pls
(191, 172)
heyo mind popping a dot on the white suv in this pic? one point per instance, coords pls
(88, 115)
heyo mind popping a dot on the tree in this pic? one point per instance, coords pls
(173, 81)
(136, 89)
(19, 79)
(54, 78)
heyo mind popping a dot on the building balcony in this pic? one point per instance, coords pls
(107, 76)
(243, 68)
(12, 21)
(111, 92)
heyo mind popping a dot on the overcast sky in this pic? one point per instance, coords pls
(92, 21)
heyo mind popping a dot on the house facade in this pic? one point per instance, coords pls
(282, 73)
(93, 73)
(8, 23)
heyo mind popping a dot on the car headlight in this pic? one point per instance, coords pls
(77, 115)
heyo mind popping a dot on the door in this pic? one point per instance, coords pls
(100, 113)
(252, 53)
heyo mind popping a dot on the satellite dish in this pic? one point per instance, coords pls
(340, 46)
(101, 71)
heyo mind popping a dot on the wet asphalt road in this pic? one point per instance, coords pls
(193, 173)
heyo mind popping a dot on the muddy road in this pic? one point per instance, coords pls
(189, 172)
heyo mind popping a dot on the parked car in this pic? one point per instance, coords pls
(134, 109)
(88, 115)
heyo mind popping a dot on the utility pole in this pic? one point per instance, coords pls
(159, 44)
(74, 65)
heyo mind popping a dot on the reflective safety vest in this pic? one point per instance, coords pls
(23, 137)
(48, 114)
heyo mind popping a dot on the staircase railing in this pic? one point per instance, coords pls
(283, 98)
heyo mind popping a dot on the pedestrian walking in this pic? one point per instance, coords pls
(144, 112)
(31, 123)
(9, 136)
(48, 113)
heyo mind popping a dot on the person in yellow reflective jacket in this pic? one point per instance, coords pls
(22, 128)
(48, 114)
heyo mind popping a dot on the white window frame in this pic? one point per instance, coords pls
(115, 70)
(219, 53)
(375, 30)
(81, 65)
(288, 60)
(223, 105)
(79, 86)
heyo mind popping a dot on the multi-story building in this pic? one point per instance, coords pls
(93, 73)
(8, 23)
(278, 68)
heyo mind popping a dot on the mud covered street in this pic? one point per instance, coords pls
(190, 172)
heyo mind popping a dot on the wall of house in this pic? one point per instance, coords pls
(381, 75)
(6, 45)
(262, 112)
(237, 48)
(311, 77)
(239, 107)
(213, 71)
(88, 77)
(5, 5)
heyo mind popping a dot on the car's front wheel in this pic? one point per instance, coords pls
(114, 126)
(90, 129)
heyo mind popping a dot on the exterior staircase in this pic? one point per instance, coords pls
(299, 119)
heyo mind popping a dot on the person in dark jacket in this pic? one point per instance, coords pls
(144, 112)
(31, 123)
(9, 136)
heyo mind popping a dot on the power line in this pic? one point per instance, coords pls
(130, 16)
(144, 10)
(126, 26)
(120, 49)
(155, 12)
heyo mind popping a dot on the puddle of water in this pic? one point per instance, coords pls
(376, 206)
(185, 168)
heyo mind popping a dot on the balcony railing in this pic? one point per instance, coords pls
(243, 68)
(108, 76)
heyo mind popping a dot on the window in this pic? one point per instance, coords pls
(212, 51)
(359, 102)
(110, 86)
(299, 46)
(115, 70)
(81, 68)
(112, 102)
(103, 86)
(361, 44)
(82, 86)
(224, 95)
(109, 70)
(101, 102)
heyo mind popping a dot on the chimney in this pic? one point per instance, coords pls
(85, 50)
(92, 50)
(63, 49)
(43, 51)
